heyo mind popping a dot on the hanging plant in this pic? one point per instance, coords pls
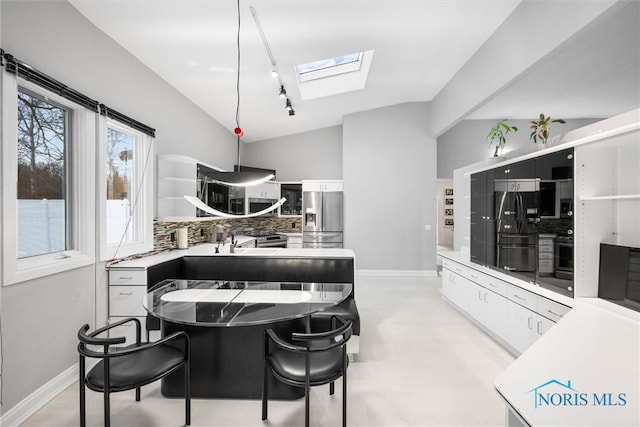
(541, 128)
(499, 134)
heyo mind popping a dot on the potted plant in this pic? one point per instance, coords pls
(499, 134)
(541, 128)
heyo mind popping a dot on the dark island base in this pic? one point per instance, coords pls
(227, 362)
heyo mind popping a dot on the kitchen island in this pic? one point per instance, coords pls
(226, 322)
(130, 281)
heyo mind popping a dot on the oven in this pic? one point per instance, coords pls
(265, 239)
(563, 257)
(516, 252)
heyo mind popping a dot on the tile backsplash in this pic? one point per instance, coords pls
(200, 231)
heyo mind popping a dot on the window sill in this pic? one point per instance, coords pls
(46, 269)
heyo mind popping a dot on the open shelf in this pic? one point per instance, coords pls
(612, 197)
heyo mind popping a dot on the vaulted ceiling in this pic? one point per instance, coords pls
(418, 47)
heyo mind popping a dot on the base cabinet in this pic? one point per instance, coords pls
(514, 315)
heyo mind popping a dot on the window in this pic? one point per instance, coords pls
(48, 180)
(334, 76)
(42, 176)
(126, 190)
(329, 67)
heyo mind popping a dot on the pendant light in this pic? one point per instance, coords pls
(239, 178)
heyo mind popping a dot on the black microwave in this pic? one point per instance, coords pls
(257, 205)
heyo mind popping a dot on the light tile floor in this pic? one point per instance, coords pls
(421, 363)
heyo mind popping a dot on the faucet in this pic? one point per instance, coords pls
(236, 231)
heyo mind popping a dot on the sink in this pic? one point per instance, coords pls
(257, 251)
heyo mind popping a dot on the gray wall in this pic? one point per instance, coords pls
(466, 142)
(40, 318)
(315, 154)
(389, 172)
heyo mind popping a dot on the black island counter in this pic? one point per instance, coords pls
(226, 321)
(225, 302)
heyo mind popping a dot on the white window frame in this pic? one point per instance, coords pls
(81, 204)
(142, 197)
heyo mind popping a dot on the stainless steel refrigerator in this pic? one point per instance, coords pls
(322, 219)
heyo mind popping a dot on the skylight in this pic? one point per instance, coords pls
(333, 76)
(329, 67)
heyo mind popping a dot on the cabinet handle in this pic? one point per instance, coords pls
(125, 277)
(555, 314)
(493, 286)
(529, 322)
(480, 295)
(518, 297)
(126, 294)
(485, 297)
(539, 328)
(473, 277)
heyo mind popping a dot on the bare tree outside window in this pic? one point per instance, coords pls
(42, 176)
(120, 177)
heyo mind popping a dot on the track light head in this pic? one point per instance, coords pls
(282, 93)
(274, 73)
(288, 105)
(292, 112)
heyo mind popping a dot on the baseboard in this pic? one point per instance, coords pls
(29, 405)
(397, 273)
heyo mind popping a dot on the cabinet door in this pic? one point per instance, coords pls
(475, 301)
(495, 318)
(478, 195)
(542, 326)
(271, 190)
(478, 250)
(520, 326)
(555, 166)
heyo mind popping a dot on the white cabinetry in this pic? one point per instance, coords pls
(176, 179)
(513, 315)
(127, 288)
(326, 186)
(608, 202)
(266, 190)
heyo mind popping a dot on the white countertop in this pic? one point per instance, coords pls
(208, 249)
(595, 350)
(463, 258)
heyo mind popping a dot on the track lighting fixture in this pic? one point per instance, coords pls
(292, 112)
(282, 93)
(288, 105)
(274, 73)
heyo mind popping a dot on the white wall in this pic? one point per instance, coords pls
(466, 143)
(515, 47)
(40, 318)
(389, 172)
(315, 154)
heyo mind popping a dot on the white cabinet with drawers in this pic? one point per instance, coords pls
(514, 316)
(127, 288)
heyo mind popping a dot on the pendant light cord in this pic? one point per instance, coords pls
(238, 83)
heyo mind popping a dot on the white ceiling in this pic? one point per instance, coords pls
(419, 46)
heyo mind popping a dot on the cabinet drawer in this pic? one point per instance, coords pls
(551, 309)
(447, 264)
(543, 255)
(522, 297)
(545, 249)
(126, 300)
(473, 275)
(127, 277)
(495, 285)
